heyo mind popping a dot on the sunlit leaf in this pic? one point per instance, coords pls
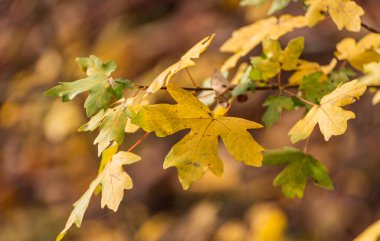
(198, 150)
(331, 118)
(372, 77)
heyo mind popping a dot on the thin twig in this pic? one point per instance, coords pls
(300, 98)
(138, 142)
(191, 78)
(369, 28)
(230, 105)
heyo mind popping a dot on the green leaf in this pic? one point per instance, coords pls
(315, 87)
(301, 167)
(112, 127)
(100, 85)
(264, 69)
(94, 122)
(245, 83)
(291, 54)
(252, 2)
(278, 5)
(275, 106)
(342, 75)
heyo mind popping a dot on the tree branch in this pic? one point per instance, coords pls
(369, 28)
(267, 87)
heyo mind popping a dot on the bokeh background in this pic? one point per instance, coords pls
(45, 165)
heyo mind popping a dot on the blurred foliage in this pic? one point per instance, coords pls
(45, 165)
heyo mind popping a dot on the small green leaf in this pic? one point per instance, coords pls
(315, 87)
(275, 106)
(252, 2)
(301, 167)
(291, 54)
(94, 122)
(99, 84)
(112, 127)
(245, 83)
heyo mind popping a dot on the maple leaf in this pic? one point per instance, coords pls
(372, 77)
(301, 166)
(314, 87)
(344, 13)
(275, 106)
(274, 58)
(198, 150)
(247, 38)
(185, 61)
(112, 127)
(113, 181)
(305, 68)
(99, 84)
(331, 118)
(359, 53)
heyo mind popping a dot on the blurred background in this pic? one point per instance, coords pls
(45, 165)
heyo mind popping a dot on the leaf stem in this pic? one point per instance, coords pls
(138, 142)
(191, 78)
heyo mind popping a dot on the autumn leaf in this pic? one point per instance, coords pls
(99, 84)
(372, 233)
(275, 106)
(372, 77)
(331, 118)
(301, 167)
(274, 58)
(305, 68)
(359, 53)
(198, 150)
(314, 87)
(185, 61)
(247, 38)
(113, 181)
(112, 127)
(344, 13)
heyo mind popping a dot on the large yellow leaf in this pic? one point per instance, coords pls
(365, 51)
(331, 118)
(372, 233)
(113, 180)
(184, 62)
(247, 38)
(198, 150)
(344, 13)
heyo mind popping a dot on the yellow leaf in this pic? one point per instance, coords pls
(372, 77)
(80, 206)
(344, 13)
(331, 118)
(372, 233)
(247, 38)
(113, 180)
(183, 63)
(358, 54)
(306, 68)
(198, 150)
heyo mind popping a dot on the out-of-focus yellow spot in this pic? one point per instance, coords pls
(153, 228)
(267, 223)
(61, 120)
(233, 230)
